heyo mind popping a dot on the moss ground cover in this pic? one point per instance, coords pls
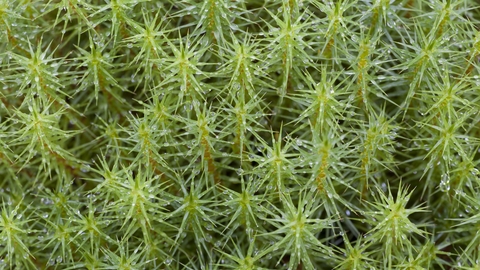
(222, 134)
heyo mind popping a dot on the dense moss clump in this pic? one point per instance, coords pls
(223, 134)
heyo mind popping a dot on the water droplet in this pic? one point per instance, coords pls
(85, 168)
(51, 262)
(299, 142)
(236, 86)
(445, 183)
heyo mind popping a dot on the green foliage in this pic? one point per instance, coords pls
(216, 134)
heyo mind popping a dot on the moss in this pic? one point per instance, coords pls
(293, 134)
